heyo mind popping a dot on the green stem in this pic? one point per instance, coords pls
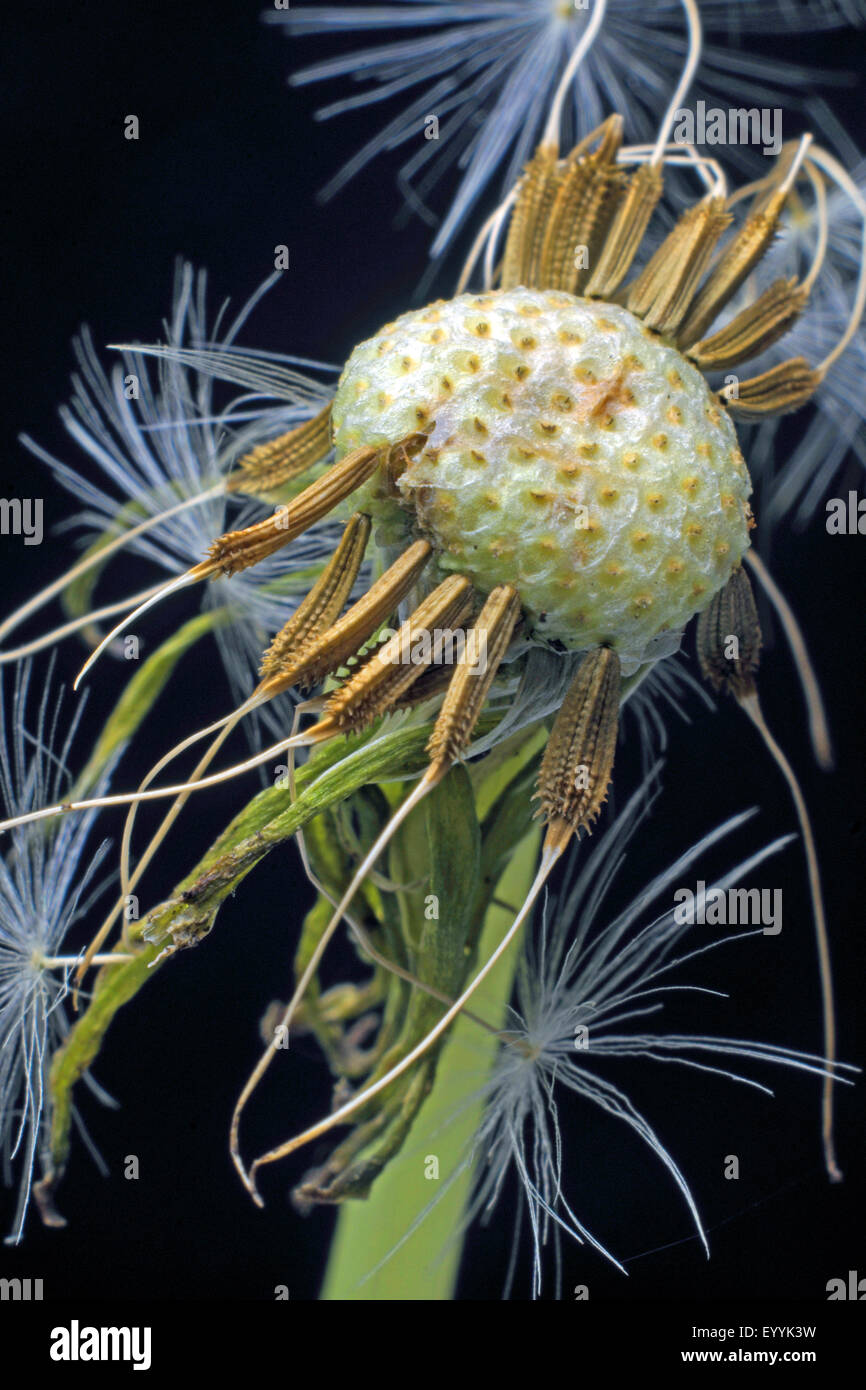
(425, 1267)
(269, 820)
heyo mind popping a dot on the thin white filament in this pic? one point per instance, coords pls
(823, 227)
(182, 582)
(64, 962)
(842, 178)
(475, 252)
(99, 557)
(551, 130)
(222, 728)
(753, 709)
(681, 154)
(693, 20)
(493, 240)
(425, 785)
(819, 730)
(49, 639)
(127, 798)
(796, 163)
(549, 859)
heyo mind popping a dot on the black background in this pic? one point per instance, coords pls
(226, 167)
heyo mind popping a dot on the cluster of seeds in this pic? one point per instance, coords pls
(570, 453)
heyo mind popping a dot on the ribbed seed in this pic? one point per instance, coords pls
(323, 604)
(662, 294)
(578, 761)
(433, 682)
(557, 246)
(729, 638)
(738, 260)
(639, 293)
(781, 389)
(269, 466)
(358, 625)
(581, 215)
(754, 329)
(474, 675)
(391, 669)
(535, 242)
(596, 221)
(626, 232)
(540, 181)
(237, 550)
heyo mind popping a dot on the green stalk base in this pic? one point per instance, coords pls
(425, 1267)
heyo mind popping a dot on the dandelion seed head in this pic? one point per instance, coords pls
(528, 474)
